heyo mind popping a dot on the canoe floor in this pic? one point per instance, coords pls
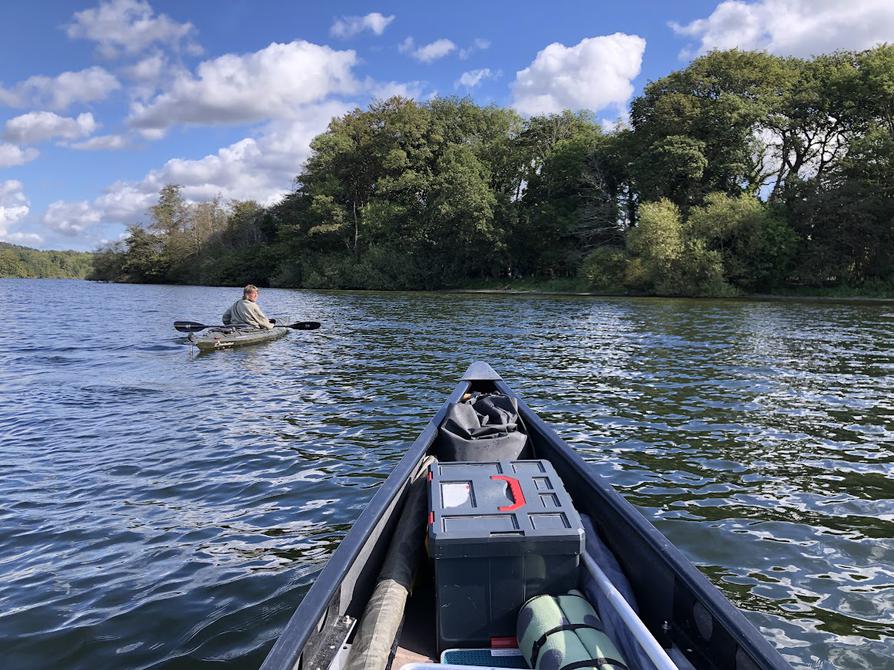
(416, 642)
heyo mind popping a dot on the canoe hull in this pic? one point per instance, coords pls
(676, 600)
(212, 340)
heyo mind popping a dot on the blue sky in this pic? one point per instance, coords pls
(102, 102)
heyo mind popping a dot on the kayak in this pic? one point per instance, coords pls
(497, 545)
(228, 337)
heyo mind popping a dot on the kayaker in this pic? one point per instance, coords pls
(246, 311)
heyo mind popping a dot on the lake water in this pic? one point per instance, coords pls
(162, 509)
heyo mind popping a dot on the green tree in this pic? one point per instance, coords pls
(171, 226)
(695, 130)
(23, 262)
(108, 263)
(755, 243)
(741, 170)
(569, 205)
(671, 260)
(458, 222)
(812, 118)
(604, 268)
(657, 240)
(146, 261)
(846, 221)
(876, 85)
(349, 159)
(673, 167)
(170, 214)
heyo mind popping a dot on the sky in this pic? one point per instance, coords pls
(103, 102)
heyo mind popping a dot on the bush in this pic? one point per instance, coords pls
(672, 258)
(657, 242)
(756, 245)
(636, 275)
(604, 268)
(288, 274)
(698, 272)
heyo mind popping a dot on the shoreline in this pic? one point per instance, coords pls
(764, 297)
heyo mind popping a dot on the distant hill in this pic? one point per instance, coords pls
(16, 261)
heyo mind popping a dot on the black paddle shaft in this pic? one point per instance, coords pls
(193, 327)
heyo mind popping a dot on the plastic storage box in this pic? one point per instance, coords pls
(499, 533)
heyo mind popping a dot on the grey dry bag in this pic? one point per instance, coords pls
(486, 427)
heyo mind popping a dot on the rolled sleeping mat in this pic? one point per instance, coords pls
(564, 633)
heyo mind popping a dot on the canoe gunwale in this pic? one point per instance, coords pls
(687, 578)
(328, 586)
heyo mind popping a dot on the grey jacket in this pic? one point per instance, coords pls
(246, 312)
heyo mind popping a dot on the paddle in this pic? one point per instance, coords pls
(193, 327)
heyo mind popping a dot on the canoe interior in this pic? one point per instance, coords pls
(676, 601)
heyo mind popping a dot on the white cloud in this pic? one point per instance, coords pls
(434, 50)
(348, 26)
(125, 203)
(428, 52)
(152, 133)
(793, 27)
(148, 75)
(478, 44)
(259, 168)
(102, 143)
(71, 218)
(593, 75)
(11, 155)
(271, 83)
(382, 90)
(13, 207)
(149, 69)
(473, 78)
(24, 239)
(255, 168)
(130, 26)
(37, 127)
(94, 83)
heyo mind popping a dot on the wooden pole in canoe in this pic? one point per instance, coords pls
(385, 609)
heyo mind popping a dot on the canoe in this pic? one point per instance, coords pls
(679, 610)
(229, 337)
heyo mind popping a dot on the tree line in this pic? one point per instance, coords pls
(743, 171)
(22, 262)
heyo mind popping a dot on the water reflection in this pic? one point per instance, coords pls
(161, 509)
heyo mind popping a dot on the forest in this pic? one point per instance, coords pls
(743, 172)
(22, 262)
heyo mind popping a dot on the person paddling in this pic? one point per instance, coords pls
(246, 312)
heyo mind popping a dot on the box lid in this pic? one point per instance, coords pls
(500, 508)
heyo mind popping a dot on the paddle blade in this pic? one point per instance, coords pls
(305, 325)
(189, 326)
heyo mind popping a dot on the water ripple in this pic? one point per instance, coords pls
(162, 509)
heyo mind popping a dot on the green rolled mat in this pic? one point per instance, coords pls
(564, 633)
